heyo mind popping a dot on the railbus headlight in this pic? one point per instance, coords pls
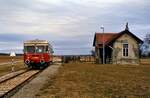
(27, 61)
(42, 61)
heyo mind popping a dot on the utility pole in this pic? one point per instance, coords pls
(102, 27)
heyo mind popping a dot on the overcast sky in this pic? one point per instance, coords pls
(69, 25)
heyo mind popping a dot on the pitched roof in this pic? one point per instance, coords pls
(111, 37)
(106, 37)
(129, 33)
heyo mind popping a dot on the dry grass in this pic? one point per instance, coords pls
(4, 59)
(145, 61)
(82, 80)
(6, 68)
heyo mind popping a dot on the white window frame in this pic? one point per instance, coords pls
(125, 51)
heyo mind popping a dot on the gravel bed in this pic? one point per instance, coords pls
(31, 89)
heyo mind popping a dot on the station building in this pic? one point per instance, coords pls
(120, 48)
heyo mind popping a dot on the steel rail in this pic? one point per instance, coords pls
(11, 85)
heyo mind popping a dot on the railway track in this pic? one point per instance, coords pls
(12, 84)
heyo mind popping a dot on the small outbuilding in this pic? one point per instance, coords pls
(119, 48)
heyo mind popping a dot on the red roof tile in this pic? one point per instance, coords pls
(107, 37)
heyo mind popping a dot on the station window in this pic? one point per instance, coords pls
(125, 49)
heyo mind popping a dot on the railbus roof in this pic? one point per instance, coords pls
(37, 42)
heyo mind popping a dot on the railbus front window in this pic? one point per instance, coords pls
(39, 49)
(29, 49)
(47, 50)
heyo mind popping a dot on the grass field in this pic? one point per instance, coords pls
(85, 80)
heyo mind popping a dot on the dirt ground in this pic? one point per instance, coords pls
(85, 80)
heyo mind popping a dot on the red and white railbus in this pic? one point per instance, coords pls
(37, 53)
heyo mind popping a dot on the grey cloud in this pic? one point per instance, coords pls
(71, 23)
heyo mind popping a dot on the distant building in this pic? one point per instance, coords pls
(145, 47)
(120, 48)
